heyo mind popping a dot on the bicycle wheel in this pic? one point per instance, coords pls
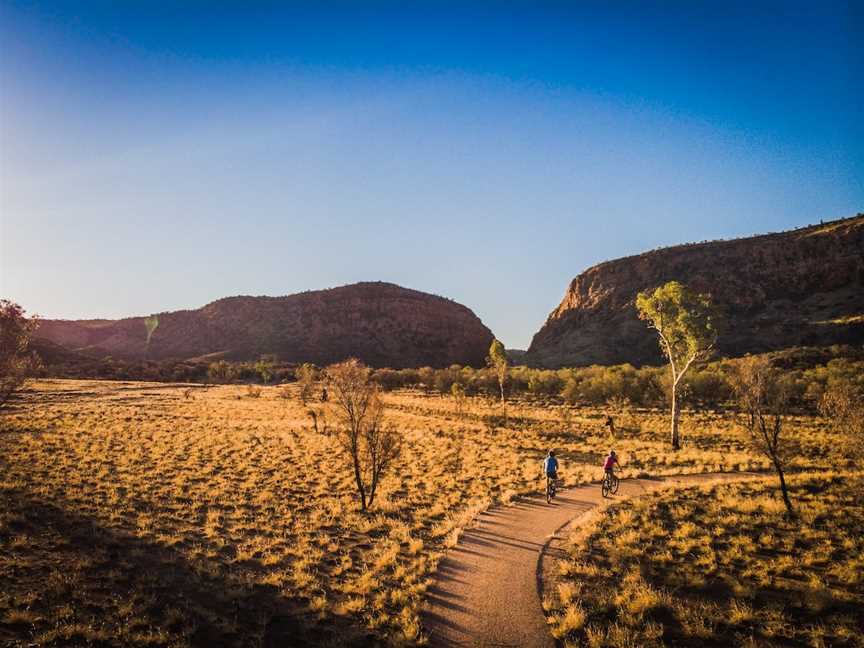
(604, 489)
(614, 485)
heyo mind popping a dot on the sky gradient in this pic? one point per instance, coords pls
(158, 156)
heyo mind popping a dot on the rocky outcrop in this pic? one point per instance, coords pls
(381, 324)
(799, 288)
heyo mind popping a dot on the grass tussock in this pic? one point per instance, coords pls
(141, 514)
(719, 565)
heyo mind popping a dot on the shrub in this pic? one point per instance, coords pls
(842, 404)
(306, 375)
(17, 363)
(458, 393)
(264, 368)
(388, 379)
(221, 372)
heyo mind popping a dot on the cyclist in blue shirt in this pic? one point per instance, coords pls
(550, 465)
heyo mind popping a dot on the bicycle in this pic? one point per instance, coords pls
(551, 488)
(610, 484)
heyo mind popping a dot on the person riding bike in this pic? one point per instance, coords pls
(609, 485)
(550, 467)
(610, 462)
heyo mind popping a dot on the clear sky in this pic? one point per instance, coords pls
(157, 156)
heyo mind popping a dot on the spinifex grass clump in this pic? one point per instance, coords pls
(722, 565)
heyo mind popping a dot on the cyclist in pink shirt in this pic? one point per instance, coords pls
(610, 462)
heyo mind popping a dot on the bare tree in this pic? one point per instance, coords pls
(17, 362)
(842, 404)
(764, 396)
(457, 391)
(359, 412)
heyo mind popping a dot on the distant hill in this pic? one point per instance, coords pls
(798, 288)
(380, 323)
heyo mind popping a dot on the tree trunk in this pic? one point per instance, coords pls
(363, 505)
(783, 488)
(676, 414)
(374, 485)
(359, 479)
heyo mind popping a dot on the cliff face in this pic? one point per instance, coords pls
(381, 324)
(796, 288)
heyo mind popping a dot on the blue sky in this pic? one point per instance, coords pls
(157, 156)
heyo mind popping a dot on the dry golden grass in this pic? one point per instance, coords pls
(143, 514)
(720, 565)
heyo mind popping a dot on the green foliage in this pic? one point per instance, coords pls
(390, 379)
(497, 354)
(686, 324)
(498, 360)
(426, 377)
(221, 372)
(685, 321)
(597, 385)
(544, 383)
(264, 368)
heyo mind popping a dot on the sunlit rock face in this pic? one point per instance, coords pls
(799, 288)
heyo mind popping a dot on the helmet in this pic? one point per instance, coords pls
(551, 453)
(612, 452)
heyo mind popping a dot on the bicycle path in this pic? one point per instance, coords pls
(485, 591)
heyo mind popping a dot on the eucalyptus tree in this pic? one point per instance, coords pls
(686, 326)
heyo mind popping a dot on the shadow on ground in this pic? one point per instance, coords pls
(66, 580)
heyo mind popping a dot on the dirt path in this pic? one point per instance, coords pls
(486, 590)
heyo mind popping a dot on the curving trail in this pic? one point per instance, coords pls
(486, 590)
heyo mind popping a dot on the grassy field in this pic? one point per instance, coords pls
(719, 565)
(143, 514)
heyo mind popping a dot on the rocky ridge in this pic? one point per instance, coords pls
(382, 324)
(803, 287)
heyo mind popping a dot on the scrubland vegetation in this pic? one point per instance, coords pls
(152, 514)
(719, 565)
(707, 384)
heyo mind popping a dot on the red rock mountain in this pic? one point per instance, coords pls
(381, 324)
(799, 288)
